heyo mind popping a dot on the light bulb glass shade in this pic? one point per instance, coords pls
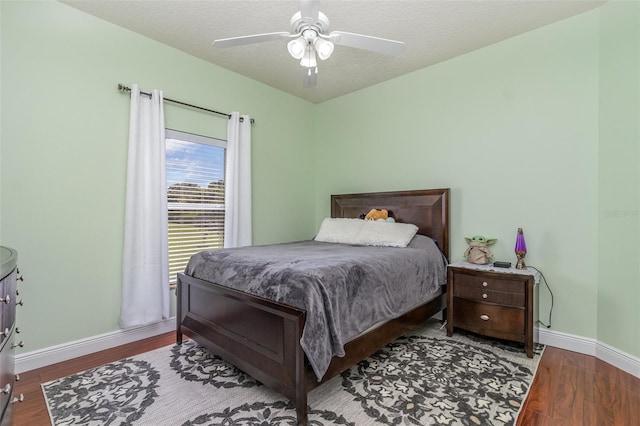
(309, 58)
(521, 250)
(521, 245)
(323, 47)
(297, 47)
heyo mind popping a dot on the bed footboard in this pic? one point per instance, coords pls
(256, 335)
(262, 337)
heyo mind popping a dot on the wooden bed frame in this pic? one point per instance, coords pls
(262, 337)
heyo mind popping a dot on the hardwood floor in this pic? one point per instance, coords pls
(576, 389)
(569, 388)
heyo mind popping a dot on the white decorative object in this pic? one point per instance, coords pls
(391, 234)
(345, 231)
(366, 232)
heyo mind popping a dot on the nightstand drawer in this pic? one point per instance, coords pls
(501, 284)
(490, 320)
(480, 294)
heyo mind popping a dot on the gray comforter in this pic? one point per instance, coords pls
(344, 289)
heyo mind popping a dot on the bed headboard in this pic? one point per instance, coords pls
(428, 209)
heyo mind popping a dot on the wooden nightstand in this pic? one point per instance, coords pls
(491, 302)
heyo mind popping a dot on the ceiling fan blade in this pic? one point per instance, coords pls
(309, 77)
(374, 44)
(255, 38)
(309, 10)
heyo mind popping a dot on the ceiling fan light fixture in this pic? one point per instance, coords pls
(323, 47)
(309, 36)
(297, 47)
(309, 58)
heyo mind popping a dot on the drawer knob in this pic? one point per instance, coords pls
(485, 284)
(6, 299)
(19, 398)
(484, 295)
(4, 333)
(7, 388)
(484, 317)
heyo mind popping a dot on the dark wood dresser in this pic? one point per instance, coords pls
(8, 293)
(492, 303)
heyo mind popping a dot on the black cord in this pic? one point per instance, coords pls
(550, 292)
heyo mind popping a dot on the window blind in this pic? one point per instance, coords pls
(195, 196)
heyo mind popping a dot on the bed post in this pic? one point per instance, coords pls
(178, 311)
(301, 376)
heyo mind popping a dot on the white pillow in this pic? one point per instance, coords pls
(392, 234)
(339, 230)
(366, 232)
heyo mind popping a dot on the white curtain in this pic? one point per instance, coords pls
(237, 220)
(145, 270)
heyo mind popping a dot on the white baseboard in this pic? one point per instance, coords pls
(66, 351)
(617, 358)
(588, 346)
(570, 342)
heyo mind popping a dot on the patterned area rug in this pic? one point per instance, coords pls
(424, 378)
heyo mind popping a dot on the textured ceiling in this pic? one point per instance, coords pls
(433, 31)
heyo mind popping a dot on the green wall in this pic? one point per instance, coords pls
(619, 179)
(514, 130)
(539, 131)
(64, 146)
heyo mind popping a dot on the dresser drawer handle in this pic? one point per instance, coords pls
(4, 333)
(484, 317)
(485, 284)
(19, 398)
(6, 299)
(484, 295)
(7, 388)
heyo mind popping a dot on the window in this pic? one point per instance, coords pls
(195, 196)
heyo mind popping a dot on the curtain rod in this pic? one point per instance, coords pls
(123, 88)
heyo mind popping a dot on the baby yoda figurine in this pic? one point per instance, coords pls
(478, 251)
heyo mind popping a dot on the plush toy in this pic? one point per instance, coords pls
(375, 214)
(478, 251)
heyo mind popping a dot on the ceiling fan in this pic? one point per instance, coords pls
(309, 37)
